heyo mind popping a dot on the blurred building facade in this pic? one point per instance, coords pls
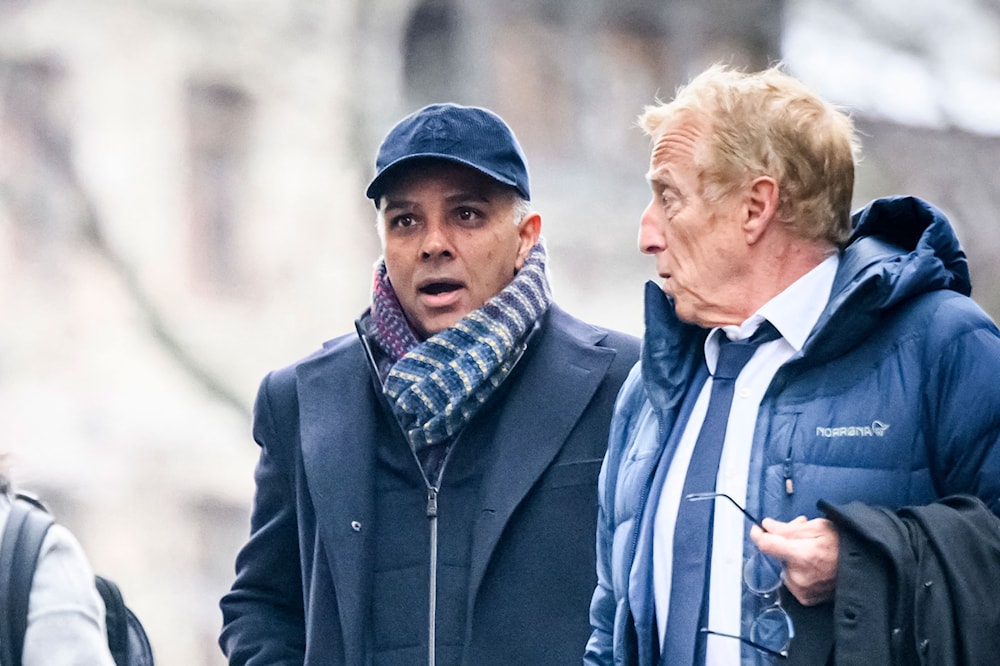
(182, 209)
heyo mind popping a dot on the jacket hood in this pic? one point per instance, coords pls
(932, 257)
(901, 247)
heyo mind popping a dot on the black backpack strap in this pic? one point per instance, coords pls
(115, 618)
(126, 636)
(22, 542)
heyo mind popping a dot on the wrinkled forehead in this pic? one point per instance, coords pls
(681, 137)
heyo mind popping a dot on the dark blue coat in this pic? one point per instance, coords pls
(303, 587)
(894, 400)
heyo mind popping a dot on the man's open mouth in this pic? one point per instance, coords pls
(435, 288)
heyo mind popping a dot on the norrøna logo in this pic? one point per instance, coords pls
(876, 429)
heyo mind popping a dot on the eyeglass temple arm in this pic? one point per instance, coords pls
(694, 497)
(783, 654)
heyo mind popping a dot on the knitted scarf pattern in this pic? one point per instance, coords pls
(436, 386)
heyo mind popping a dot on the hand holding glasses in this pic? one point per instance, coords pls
(772, 630)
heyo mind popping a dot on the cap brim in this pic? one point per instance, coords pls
(377, 187)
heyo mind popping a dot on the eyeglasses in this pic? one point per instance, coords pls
(772, 630)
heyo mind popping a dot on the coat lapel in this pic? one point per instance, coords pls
(339, 432)
(567, 366)
(338, 429)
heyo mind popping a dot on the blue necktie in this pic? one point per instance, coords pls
(692, 531)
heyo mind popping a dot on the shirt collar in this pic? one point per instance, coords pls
(795, 311)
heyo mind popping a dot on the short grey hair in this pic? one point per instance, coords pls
(522, 208)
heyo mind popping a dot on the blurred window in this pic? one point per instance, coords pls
(218, 125)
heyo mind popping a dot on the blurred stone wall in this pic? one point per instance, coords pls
(957, 171)
(178, 214)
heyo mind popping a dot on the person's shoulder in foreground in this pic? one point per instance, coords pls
(426, 491)
(879, 391)
(65, 612)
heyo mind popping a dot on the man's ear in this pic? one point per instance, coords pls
(762, 207)
(528, 232)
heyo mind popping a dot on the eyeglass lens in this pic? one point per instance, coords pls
(772, 629)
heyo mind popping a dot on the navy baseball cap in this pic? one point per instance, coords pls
(468, 135)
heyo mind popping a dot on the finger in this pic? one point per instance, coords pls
(817, 528)
(793, 543)
(773, 544)
(772, 526)
(779, 527)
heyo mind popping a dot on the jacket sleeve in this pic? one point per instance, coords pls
(602, 606)
(263, 615)
(604, 612)
(963, 394)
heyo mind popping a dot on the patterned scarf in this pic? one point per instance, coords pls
(436, 386)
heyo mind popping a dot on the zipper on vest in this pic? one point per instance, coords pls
(432, 516)
(432, 520)
(432, 497)
(786, 470)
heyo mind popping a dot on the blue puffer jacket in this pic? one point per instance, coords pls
(894, 400)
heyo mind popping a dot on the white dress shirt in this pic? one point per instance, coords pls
(794, 312)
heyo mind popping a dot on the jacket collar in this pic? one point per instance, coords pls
(901, 248)
(671, 351)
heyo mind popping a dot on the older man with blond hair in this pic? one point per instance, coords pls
(806, 374)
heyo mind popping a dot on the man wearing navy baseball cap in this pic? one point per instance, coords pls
(426, 491)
